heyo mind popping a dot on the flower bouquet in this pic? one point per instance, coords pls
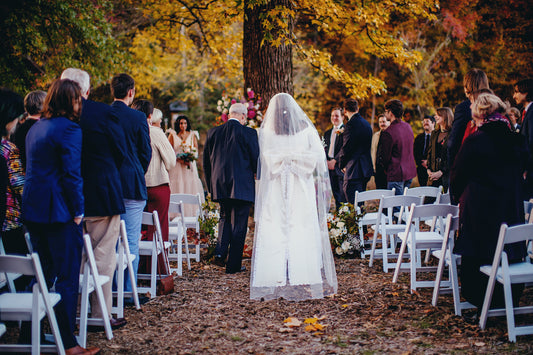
(344, 232)
(187, 155)
(209, 226)
(255, 116)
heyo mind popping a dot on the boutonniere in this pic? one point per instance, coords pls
(340, 131)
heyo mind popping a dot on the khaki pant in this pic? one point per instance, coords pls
(104, 233)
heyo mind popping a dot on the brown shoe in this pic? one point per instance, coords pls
(78, 350)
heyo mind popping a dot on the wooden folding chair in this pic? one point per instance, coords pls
(507, 274)
(32, 306)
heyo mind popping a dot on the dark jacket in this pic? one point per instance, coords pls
(438, 159)
(336, 149)
(396, 151)
(53, 192)
(355, 152)
(102, 154)
(487, 180)
(421, 154)
(19, 138)
(230, 161)
(138, 151)
(462, 115)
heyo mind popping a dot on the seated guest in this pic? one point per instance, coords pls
(487, 180)
(53, 179)
(437, 157)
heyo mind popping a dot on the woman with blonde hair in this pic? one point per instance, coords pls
(437, 156)
(487, 180)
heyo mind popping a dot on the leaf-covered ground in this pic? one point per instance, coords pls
(211, 312)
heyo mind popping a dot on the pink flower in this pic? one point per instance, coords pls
(233, 101)
(224, 117)
(251, 94)
(251, 114)
(250, 104)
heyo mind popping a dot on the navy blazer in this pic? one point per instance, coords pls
(230, 161)
(102, 153)
(355, 152)
(53, 191)
(461, 117)
(138, 151)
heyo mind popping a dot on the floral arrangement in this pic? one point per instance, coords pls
(187, 155)
(255, 116)
(209, 225)
(344, 231)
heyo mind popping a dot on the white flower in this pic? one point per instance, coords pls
(339, 251)
(219, 108)
(345, 246)
(345, 209)
(340, 225)
(219, 102)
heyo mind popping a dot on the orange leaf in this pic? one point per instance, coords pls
(310, 320)
(319, 326)
(292, 322)
(310, 328)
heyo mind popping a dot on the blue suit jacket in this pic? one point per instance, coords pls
(461, 117)
(53, 192)
(230, 161)
(355, 152)
(138, 151)
(102, 154)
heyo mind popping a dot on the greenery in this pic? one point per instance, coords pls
(209, 225)
(344, 233)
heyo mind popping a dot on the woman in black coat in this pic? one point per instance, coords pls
(487, 180)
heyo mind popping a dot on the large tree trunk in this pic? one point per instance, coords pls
(267, 69)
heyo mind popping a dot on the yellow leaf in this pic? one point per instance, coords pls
(310, 328)
(396, 294)
(310, 320)
(292, 322)
(319, 326)
(318, 334)
(344, 306)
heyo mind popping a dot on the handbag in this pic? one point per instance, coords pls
(165, 285)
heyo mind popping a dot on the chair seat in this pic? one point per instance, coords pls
(393, 228)
(424, 238)
(18, 306)
(518, 273)
(125, 263)
(102, 280)
(145, 247)
(369, 218)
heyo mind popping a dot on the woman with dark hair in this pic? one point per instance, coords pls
(11, 109)
(184, 177)
(487, 181)
(52, 202)
(437, 157)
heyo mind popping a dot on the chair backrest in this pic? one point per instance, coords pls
(423, 191)
(18, 264)
(445, 199)
(402, 201)
(438, 210)
(369, 195)
(152, 219)
(188, 199)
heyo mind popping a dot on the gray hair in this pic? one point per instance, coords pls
(157, 115)
(238, 108)
(79, 76)
(33, 102)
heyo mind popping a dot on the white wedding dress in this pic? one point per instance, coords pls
(292, 255)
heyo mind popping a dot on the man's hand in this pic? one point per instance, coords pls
(77, 220)
(331, 164)
(424, 163)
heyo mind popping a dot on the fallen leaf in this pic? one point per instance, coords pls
(319, 326)
(344, 306)
(479, 343)
(318, 334)
(310, 320)
(310, 328)
(284, 330)
(292, 322)
(320, 318)
(395, 294)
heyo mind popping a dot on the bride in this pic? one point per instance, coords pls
(292, 255)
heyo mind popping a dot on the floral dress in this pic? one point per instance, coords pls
(14, 187)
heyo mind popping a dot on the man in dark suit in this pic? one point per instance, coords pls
(354, 156)
(334, 134)
(230, 162)
(420, 149)
(523, 95)
(138, 153)
(102, 153)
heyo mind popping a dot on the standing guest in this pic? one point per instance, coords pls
(473, 81)
(523, 95)
(487, 181)
(11, 108)
(513, 114)
(102, 154)
(33, 104)
(53, 179)
(184, 177)
(137, 157)
(379, 177)
(333, 139)
(163, 159)
(230, 162)
(471, 127)
(396, 149)
(354, 156)
(420, 149)
(437, 156)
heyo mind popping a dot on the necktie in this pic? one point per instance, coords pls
(426, 145)
(331, 150)
(523, 115)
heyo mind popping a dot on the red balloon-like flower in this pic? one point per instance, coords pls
(251, 94)
(251, 114)
(224, 117)
(233, 101)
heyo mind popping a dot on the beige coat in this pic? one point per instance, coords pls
(163, 158)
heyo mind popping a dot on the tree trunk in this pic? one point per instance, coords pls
(267, 69)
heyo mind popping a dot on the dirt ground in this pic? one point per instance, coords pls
(211, 313)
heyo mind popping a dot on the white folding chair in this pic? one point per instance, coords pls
(423, 192)
(9, 278)
(91, 281)
(153, 248)
(369, 218)
(448, 258)
(2, 329)
(193, 202)
(417, 240)
(29, 306)
(177, 236)
(124, 261)
(508, 274)
(388, 229)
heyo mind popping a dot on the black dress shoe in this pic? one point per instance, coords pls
(219, 261)
(243, 268)
(116, 323)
